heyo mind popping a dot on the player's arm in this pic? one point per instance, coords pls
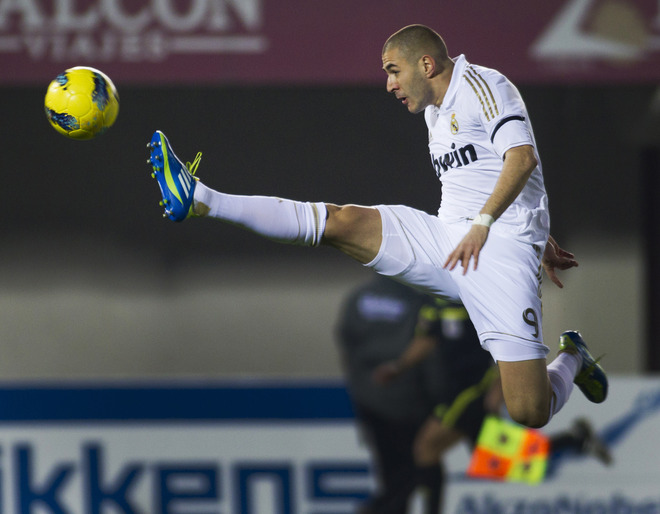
(419, 349)
(519, 162)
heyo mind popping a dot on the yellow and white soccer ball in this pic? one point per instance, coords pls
(82, 103)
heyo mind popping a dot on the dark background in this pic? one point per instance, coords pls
(332, 144)
(71, 204)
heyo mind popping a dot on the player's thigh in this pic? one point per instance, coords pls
(354, 230)
(503, 299)
(414, 248)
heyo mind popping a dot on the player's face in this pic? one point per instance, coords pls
(406, 81)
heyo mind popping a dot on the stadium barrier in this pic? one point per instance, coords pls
(281, 447)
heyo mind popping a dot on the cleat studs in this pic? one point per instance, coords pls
(153, 175)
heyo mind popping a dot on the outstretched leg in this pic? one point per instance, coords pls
(352, 229)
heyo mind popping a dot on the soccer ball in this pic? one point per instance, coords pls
(82, 103)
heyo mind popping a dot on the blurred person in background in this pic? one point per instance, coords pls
(442, 378)
(420, 383)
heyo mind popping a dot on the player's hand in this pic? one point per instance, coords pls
(386, 373)
(556, 258)
(469, 248)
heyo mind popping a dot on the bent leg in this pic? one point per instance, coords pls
(527, 391)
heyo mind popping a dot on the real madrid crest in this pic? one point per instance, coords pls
(453, 124)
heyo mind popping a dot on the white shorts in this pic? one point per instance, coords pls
(502, 296)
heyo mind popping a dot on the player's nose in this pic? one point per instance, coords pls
(392, 85)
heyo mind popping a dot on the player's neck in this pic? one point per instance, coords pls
(443, 81)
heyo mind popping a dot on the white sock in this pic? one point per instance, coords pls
(561, 373)
(284, 221)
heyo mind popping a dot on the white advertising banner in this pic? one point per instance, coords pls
(628, 423)
(281, 448)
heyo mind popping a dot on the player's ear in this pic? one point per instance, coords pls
(428, 65)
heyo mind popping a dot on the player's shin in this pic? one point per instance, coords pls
(284, 221)
(561, 372)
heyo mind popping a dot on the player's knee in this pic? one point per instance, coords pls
(344, 221)
(335, 225)
(355, 230)
(532, 416)
(527, 391)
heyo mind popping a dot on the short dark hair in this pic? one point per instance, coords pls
(414, 41)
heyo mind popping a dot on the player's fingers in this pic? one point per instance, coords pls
(567, 265)
(451, 261)
(555, 279)
(476, 259)
(465, 261)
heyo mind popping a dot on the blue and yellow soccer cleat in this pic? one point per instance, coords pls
(176, 180)
(591, 378)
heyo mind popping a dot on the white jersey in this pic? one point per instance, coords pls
(481, 117)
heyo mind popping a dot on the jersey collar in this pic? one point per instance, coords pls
(460, 63)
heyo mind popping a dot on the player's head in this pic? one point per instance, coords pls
(415, 41)
(412, 56)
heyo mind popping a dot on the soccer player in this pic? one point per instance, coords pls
(488, 242)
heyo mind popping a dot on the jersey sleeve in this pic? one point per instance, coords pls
(501, 110)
